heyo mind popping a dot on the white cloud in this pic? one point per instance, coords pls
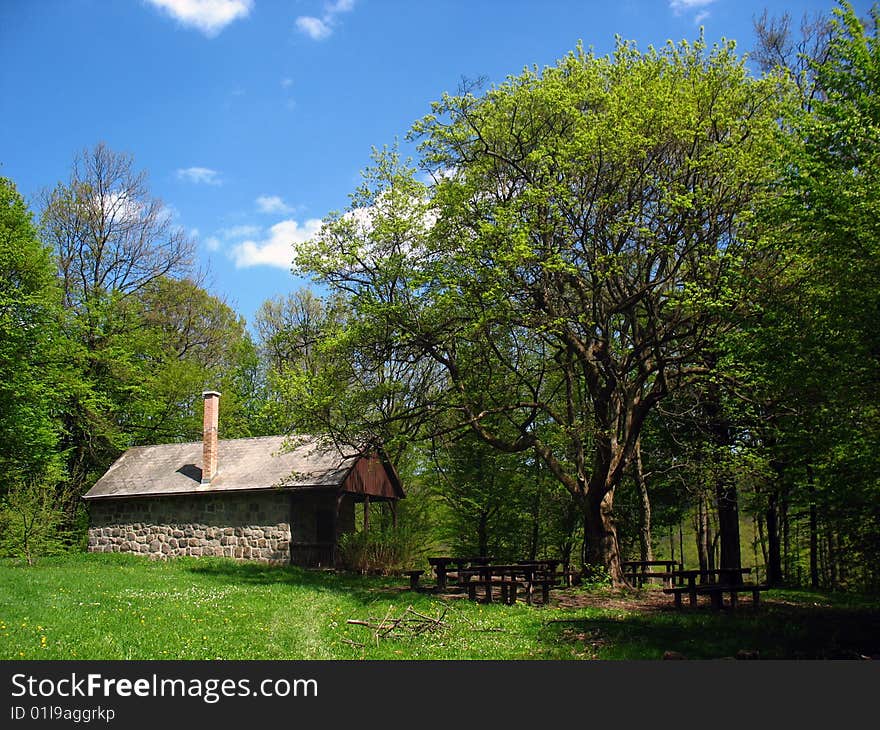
(314, 28)
(272, 204)
(340, 6)
(277, 248)
(242, 231)
(233, 233)
(699, 7)
(199, 175)
(208, 16)
(119, 208)
(320, 28)
(679, 6)
(286, 83)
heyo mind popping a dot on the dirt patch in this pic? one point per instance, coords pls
(611, 598)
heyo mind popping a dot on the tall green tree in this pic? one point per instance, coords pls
(587, 235)
(32, 379)
(811, 359)
(112, 239)
(185, 341)
(834, 204)
(146, 338)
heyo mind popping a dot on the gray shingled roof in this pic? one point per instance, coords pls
(244, 464)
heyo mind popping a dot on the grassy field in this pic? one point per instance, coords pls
(127, 607)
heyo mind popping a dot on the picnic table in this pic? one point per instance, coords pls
(551, 564)
(639, 571)
(714, 583)
(441, 566)
(509, 578)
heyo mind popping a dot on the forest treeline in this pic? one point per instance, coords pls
(614, 302)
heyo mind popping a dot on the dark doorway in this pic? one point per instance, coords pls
(325, 534)
(324, 527)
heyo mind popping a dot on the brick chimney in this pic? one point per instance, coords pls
(209, 435)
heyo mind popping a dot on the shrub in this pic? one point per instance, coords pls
(32, 521)
(384, 551)
(595, 576)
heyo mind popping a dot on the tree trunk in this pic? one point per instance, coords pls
(483, 534)
(602, 549)
(832, 557)
(647, 550)
(728, 524)
(759, 528)
(586, 536)
(774, 544)
(569, 524)
(702, 535)
(680, 545)
(785, 531)
(706, 527)
(725, 489)
(814, 531)
(536, 516)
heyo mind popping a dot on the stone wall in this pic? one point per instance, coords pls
(248, 526)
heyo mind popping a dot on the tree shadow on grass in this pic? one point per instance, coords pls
(363, 588)
(777, 632)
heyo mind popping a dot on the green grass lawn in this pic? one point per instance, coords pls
(127, 607)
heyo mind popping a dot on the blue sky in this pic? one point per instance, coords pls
(254, 117)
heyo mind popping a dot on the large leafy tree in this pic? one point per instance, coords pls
(112, 239)
(813, 358)
(185, 340)
(31, 345)
(584, 241)
(146, 338)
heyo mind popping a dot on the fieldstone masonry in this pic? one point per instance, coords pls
(246, 526)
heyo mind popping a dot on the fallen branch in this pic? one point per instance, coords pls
(409, 623)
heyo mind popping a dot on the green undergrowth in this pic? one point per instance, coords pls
(129, 607)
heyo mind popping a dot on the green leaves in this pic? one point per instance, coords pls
(32, 346)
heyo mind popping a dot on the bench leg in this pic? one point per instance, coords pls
(733, 599)
(414, 582)
(488, 591)
(511, 593)
(472, 591)
(717, 601)
(677, 600)
(756, 598)
(692, 596)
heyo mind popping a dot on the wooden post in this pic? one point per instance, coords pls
(290, 508)
(333, 547)
(394, 514)
(367, 513)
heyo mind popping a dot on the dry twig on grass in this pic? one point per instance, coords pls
(409, 623)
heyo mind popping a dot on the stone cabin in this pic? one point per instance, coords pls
(249, 498)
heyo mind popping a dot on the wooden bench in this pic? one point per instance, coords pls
(506, 584)
(414, 576)
(510, 587)
(638, 571)
(639, 578)
(716, 592)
